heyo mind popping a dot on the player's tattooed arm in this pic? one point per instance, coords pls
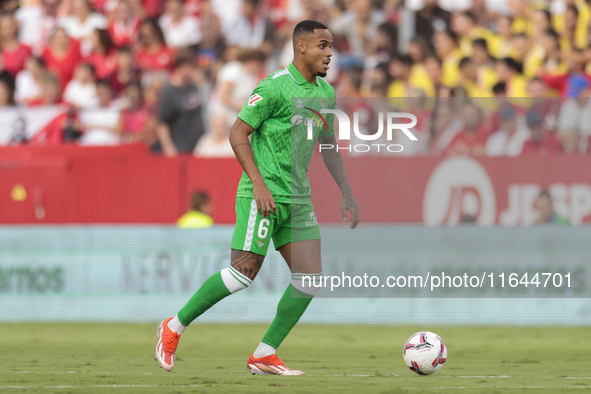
(237, 145)
(247, 263)
(334, 163)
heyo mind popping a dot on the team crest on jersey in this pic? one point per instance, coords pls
(254, 99)
(260, 243)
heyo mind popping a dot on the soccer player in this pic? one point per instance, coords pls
(273, 200)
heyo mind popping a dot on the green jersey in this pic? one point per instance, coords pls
(284, 110)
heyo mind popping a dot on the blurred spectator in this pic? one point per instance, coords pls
(236, 81)
(528, 55)
(152, 8)
(434, 70)
(446, 47)
(573, 123)
(464, 25)
(541, 141)
(571, 82)
(199, 211)
(62, 56)
(508, 141)
(445, 124)
(125, 70)
(6, 89)
(82, 23)
(431, 18)
(545, 210)
(36, 23)
(136, 123)
(552, 61)
(180, 30)
(522, 16)
(502, 45)
(211, 48)
(251, 29)
(569, 35)
(385, 46)
(509, 72)
(180, 118)
(14, 53)
(401, 71)
(472, 138)
(81, 90)
(539, 101)
(152, 93)
(124, 27)
(359, 26)
(28, 81)
(350, 86)
(542, 22)
(469, 80)
(485, 64)
(502, 100)
(216, 142)
(153, 53)
(100, 123)
(314, 10)
(50, 93)
(377, 76)
(103, 56)
(417, 50)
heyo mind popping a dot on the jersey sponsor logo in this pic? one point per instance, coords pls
(317, 120)
(311, 220)
(254, 99)
(297, 119)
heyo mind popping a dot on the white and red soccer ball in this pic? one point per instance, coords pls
(425, 353)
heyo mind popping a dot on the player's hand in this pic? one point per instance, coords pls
(348, 203)
(264, 199)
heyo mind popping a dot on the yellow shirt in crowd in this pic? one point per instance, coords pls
(450, 69)
(195, 219)
(582, 23)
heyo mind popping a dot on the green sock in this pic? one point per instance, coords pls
(289, 311)
(212, 291)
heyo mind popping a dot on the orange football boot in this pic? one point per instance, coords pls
(270, 365)
(168, 340)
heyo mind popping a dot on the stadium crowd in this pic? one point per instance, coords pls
(491, 77)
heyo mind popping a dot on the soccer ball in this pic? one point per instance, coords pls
(425, 353)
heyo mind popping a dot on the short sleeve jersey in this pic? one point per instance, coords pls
(281, 144)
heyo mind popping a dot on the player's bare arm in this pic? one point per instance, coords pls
(334, 163)
(243, 151)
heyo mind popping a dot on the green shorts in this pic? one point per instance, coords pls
(289, 223)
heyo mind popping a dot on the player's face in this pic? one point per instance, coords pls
(318, 51)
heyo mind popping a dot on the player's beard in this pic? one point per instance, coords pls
(321, 74)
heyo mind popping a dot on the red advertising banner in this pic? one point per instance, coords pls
(442, 191)
(126, 185)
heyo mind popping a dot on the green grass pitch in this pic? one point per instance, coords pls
(119, 358)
